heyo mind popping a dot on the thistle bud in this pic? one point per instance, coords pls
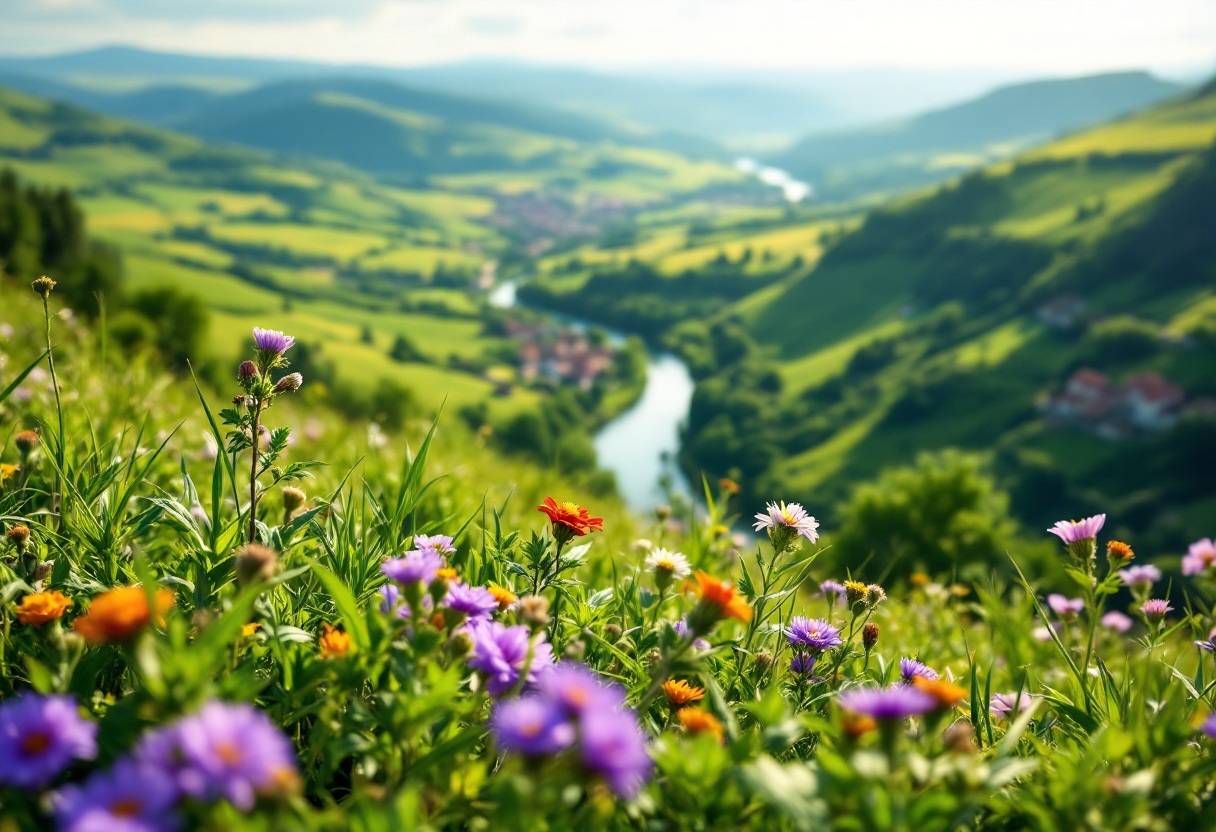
(764, 661)
(875, 595)
(42, 286)
(255, 563)
(289, 383)
(869, 636)
(534, 611)
(959, 737)
(461, 644)
(26, 441)
(43, 570)
(293, 499)
(662, 513)
(248, 371)
(20, 536)
(854, 592)
(612, 632)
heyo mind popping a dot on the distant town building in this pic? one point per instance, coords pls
(1144, 403)
(1062, 313)
(558, 355)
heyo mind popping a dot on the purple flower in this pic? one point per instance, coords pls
(40, 736)
(579, 691)
(389, 595)
(531, 726)
(681, 628)
(832, 588)
(911, 668)
(815, 634)
(1209, 645)
(1200, 557)
(1209, 726)
(802, 664)
(501, 652)
(440, 543)
(1144, 575)
(127, 798)
(1073, 531)
(1044, 634)
(1117, 621)
(613, 746)
(791, 516)
(1154, 610)
(1066, 608)
(417, 567)
(474, 601)
(1003, 704)
(230, 751)
(892, 703)
(272, 340)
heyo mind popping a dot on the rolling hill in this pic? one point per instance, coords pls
(937, 144)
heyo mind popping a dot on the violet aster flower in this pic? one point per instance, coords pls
(681, 628)
(1140, 575)
(613, 746)
(1200, 557)
(1154, 610)
(40, 736)
(532, 726)
(233, 751)
(501, 652)
(127, 798)
(578, 690)
(271, 340)
(389, 595)
(793, 516)
(802, 664)
(1074, 531)
(417, 567)
(1117, 621)
(911, 668)
(893, 703)
(440, 543)
(1066, 608)
(1209, 726)
(474, 601)
(832, 588)
(1004, 704)
(814, 634)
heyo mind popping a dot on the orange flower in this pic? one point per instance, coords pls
(919, 579)
(946, 693)
(502, 595)
(41, 607)
(121, 613)
(570, 519)
(681, 693)
(856, 725)
(697, 721)
(728, 485)
(1118, 550)
(333, 642)
(718, 597)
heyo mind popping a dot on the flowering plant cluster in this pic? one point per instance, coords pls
(388, 654)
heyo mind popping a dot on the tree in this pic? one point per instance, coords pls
(403, 350)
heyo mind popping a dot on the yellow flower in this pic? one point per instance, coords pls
(696, 721)
(250, 629)
(7, 471)
(681, 693)
(446, 573)
(40, 607)
(333, 642)
(502, 595)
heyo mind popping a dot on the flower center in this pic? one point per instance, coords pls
(125, 808)
(36, 743)
(228, 752)
(531, 729)
(577, 696)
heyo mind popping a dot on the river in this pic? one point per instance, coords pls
(640, 445)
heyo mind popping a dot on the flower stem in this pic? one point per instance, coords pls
(59, 455)
(253, 473)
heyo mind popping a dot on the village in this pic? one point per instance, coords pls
(558, 355)
(1144, 403)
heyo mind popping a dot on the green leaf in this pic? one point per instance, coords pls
(346, 604)
(16, 382)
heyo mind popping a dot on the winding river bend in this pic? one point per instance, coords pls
(640, 445)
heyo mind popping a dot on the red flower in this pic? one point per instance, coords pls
(570, 518)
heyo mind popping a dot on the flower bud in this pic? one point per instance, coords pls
(854, 592)
(255, 563)
(662, 513)
(43, 286)
(575, 650)
(959, 737)
(43, 570)
(875, 595)
(289, 383)
(764, 661)
(26, 441)
(248, 371)
(20, 536)
(869, 636)
(534, 611)
(612, 632)
(461, 644)
(293, 499)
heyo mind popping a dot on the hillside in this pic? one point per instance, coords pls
(935, 145)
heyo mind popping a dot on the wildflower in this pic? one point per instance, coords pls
(667, 566)
(716, 600)
(333, 642)
(642, 545)
(502, 653)
(911, 669)
(1043, 633)
(1154, 610)
(1118, 552)
(121, 613)
(728, 485)
(919, 579)
(946, 694)
(1140, 576)
(440, 543)
(681, 628)
(227, 750)
(578, 690)
(662, 513)
(474, 602)
(7, 471)
(869, 636)
(1209, 726)
(1079, 536)
(26, 441)
(883, 704)
(785, 523)
(533, 610)
(532, 726)
(293, 501)
(696, 722)
(1200, 557)
(40, 736)
(272, 340)
(1004, 704)
(19, 536)
(612, 745)
(814, 634)
(856, 725)
(255, 563)
(854, 591)
(1066, 608)
(40, 607)
(680, 693)
(246, 372)
(803, 663)
(832, 588)
(249, 629)
(417, 567)
(569, 520)
(43, 286)
(129, 797)
(875, 595)
(502, 596)
(289, 383)
(1116, 621)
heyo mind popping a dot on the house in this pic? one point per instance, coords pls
(1151, 402)
(1089, 401)
(1062, 313)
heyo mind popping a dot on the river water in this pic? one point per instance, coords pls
(640, 445)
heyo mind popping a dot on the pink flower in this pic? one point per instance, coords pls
(1199, 558)
(1072, 531)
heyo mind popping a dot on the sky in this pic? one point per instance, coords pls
(1061, 37)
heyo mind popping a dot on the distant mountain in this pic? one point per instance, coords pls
(935, 145)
